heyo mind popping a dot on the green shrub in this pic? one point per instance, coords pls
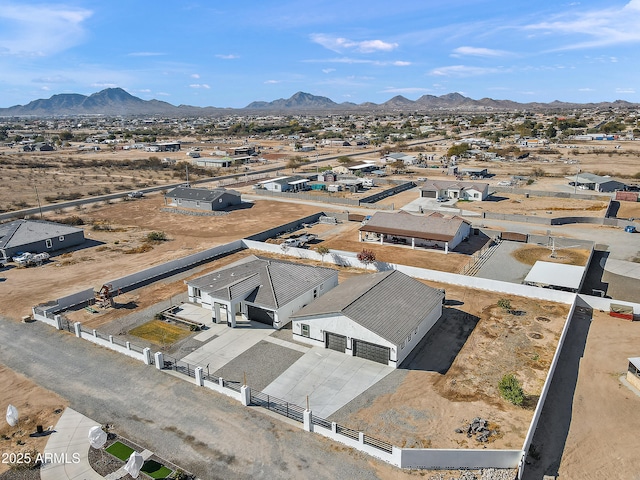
(504, 304)
(511, 390)
(156, 236)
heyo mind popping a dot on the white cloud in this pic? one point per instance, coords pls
(354, 61)
(52, 79)
(339, 44)
(272, 82)
(40, 30)
(195, 75)
(586, 89)
(462, 71)
(478, 52)
(405, 90)
(625, 90)
(227, 57)
(105, 85)
(200, 85)
(328, 70)
(599, 28)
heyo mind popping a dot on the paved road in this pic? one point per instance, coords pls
(208, 434)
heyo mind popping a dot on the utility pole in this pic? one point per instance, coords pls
(575, 184)
(187, 169)
(38, 198)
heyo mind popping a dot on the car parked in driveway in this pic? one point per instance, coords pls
(442, 199)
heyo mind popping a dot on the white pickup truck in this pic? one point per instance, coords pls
(300, 241)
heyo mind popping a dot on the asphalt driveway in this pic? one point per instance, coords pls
(331, 380)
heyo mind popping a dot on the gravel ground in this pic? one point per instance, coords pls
(388, 384)
(502, 266)
(208, 434)
(263, 363)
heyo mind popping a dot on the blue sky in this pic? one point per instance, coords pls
(229, 53)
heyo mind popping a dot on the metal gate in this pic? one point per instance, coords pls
(336, 342)
(371, 351)
(259, 315)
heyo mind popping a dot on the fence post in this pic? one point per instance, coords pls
(306, 421)
(334, 427)
(147, 355)
(111, 339)
(159, 358)
(78, 329)
(245, 395)
(128, 344)
(58, 320)
(221, 381)
(199, 379)
(361, 437)
(95, 333)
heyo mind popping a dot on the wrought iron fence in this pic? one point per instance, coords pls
(348, 432)
(286, 409)
(374, 442)
(315, 420)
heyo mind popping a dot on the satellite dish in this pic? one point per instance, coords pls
(97, 437)
(12, 415)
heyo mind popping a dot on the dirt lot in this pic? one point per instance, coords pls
(35, 405)
(544, 206)
(124, 226)
(602, 438)
(454, 375)
(345, 237)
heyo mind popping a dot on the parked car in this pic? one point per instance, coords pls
(442, 199)
(135, 195)
(504, 183)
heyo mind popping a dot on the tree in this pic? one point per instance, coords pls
(344, 160)
(511, 390)
(366, 257)
(293, 163)
(458, 150)
(322, 251)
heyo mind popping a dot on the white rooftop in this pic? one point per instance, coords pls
(296, 182)
(555, 275)
(635, 361)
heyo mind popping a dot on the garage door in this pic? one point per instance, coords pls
(259, 315)
(371, 351)
(429, 194)
(336, 342)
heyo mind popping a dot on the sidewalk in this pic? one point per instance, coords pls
(69, 447)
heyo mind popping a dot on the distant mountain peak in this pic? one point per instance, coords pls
(117, 101)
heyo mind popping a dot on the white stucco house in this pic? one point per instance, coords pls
(260, 289)
(381, 317)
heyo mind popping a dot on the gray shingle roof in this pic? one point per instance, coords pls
(21, 232)
(438, 185)
(201, 194)
(390, 304)
(435, 226)
(270, 283)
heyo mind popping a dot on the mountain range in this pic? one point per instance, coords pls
(118, 102)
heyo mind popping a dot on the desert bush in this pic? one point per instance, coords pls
(510, 389)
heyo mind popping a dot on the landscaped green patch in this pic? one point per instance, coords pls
(161, 333)
(120, 450)
(155, 469)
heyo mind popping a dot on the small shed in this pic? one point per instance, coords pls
(633, 372)
(202, 198)
(557, 276)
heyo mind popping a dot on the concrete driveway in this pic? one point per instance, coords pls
(331, 380)
(225, 343)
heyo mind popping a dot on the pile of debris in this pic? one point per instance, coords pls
(479, 428)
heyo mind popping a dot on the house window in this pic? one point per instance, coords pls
(179, 201)
(48, 243)
(315, 293)
(61, 238)
(305, 329)
(196, 292)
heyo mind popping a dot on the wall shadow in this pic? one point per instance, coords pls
(594, 279)
(550, 438)
(439, 348)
